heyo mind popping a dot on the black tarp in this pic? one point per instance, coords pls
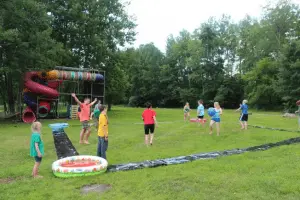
(63, 145)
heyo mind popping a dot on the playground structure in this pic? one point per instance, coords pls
(47, 94)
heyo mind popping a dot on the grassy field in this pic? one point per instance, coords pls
(271, 174)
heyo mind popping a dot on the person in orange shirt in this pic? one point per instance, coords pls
(84, 117)
(102, 132)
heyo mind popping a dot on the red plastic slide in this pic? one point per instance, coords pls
(38, 88)
(28, 115)
(44, 107)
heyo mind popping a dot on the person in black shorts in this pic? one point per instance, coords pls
(149, 117)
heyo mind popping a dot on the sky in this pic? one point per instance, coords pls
(157, 19)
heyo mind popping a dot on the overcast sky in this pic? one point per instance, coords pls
(157, 19)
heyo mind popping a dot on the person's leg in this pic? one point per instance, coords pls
(87, 135)
(184, 116)
(151, 133)
(211, 126)
(218, 128)
(242, 125)
(188, 116)
(103, 148)
(36, 166)
(246, 125)
(147, 130)
(99, 147)
(202, 121)
(81, 135)
(242, 122)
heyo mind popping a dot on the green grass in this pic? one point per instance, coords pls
(271, 174)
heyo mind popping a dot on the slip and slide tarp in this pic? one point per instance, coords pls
(63, 145)
(64, 148)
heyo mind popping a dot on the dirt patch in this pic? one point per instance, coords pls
(6, 180)
(98, 188)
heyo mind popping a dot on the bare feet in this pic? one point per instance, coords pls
(86, 142)
(80, 142)
(38, 176)
(210, 133)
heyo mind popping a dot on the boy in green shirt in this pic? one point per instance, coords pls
(36, 147)
(95, 114)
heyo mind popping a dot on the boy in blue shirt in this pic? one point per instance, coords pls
(200, 111)
(244, 114)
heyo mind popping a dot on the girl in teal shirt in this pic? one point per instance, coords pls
(36, 147)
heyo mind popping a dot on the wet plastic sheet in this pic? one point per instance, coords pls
(63, 145)
(275, 129)
(200, 156)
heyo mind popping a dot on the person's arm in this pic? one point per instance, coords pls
(239, 108)
(198, 112)
(92, 114)
(155, 121)
(93, 102)
(75, 98)
(37, 149)
(221, 111)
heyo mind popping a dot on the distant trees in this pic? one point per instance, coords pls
(219, 61)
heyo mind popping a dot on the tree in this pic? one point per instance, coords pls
(92, 32)
(289, 75)
(25, 42)
(261, 84)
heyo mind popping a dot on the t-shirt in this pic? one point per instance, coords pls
(36, 138)
(244, 109)
(85, 112)
(186, 109)
(217, 115)
(97, 111)
(200, 110)
(148, 116)
(103, 125)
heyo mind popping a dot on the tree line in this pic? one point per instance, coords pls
(222, 60)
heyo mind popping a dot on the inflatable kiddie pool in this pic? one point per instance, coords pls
(79, 166)
(197, 120)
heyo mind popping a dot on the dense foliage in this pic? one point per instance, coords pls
(225, 61)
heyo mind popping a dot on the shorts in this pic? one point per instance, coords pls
(38, 159)
(85, 124)
(96, 122)
(149, 128)
(244, 118)
(216, 119)
(200, 117)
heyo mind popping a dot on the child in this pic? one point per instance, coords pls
(95, 114)
(298, 112)
(102, 132)
(36, 147)
(244, 115)
(85, 108)
(200, 112)
(186, 110)
(216, 119)
(149, 118)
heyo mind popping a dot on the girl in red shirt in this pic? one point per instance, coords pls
(149, 117)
